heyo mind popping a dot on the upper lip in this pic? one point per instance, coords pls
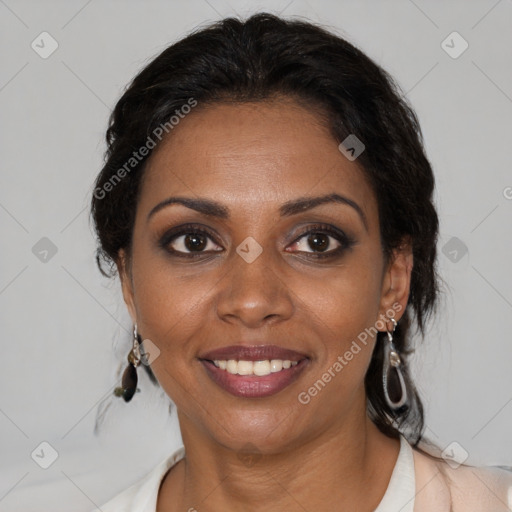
(253, 353)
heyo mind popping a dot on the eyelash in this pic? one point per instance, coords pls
(192, 229)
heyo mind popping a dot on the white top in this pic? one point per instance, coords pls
(142, 496)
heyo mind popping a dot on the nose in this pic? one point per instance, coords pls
(254, 293)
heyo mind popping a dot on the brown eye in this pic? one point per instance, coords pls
(319, 242)
(187, 240)
(322, 241)
(195, 242)
(191, 242)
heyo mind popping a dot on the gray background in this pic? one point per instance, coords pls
(65, 330)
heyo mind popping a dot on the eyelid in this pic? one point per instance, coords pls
(321, 227)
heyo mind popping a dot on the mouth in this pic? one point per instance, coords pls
(254, 371)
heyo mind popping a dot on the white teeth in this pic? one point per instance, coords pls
(245, 367)
(259, 368)
(231, 366)
(276, 365)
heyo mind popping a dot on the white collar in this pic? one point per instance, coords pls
(399, 496)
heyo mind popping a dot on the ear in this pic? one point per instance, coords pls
(124, 270)
(396, 282)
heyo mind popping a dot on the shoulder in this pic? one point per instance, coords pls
(142, 495)
(449, 486)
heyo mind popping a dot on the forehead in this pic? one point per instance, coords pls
(252, 156)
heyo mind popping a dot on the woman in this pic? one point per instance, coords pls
(267, 203)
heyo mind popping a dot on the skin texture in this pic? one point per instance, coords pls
(252, 158)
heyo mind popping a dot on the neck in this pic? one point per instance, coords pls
(343, 469)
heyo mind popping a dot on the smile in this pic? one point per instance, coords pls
(254, 379)
(259, 368)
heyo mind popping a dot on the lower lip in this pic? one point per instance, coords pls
(253, 386)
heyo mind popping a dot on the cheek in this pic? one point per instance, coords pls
(344, 310)
(175, 310)
(345, 300)
(169, 306)
(170, 311)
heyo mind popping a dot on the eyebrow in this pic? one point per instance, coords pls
(214, 209)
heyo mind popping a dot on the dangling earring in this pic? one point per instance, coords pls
(129, 380)
(395, 390)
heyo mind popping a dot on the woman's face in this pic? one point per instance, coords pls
(262, 272)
